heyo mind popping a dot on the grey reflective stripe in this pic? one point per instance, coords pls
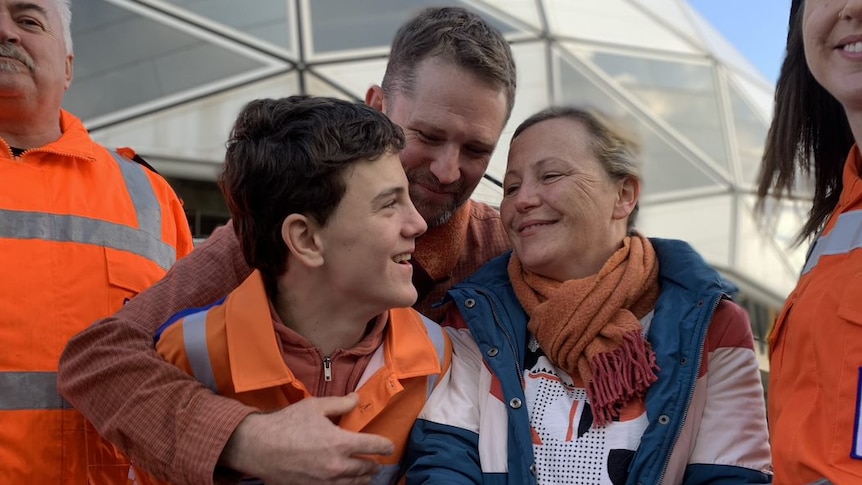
(845, 236)
(435, 333)
(146, 241)
(197, 350)
(143, 198)
(62, 228)
(21, 391)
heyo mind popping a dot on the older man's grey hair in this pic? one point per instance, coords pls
(64, 7)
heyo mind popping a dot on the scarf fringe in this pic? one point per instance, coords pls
(620, 375)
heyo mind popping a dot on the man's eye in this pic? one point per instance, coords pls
(426, 138)
(28, 21)
(479, 152)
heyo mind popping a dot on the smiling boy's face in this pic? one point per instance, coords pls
(368, 240)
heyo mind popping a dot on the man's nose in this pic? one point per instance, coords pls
(8, 30)
(446, 164)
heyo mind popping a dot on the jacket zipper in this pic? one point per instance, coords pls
(691, 389)
(53, 151)
(327, 369)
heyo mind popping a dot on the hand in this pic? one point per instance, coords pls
(300, 445)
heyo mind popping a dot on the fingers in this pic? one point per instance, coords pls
(359, 468)
(367, 444)
(336, 406)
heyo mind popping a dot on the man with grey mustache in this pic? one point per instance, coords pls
(9, 51)
(82, 230)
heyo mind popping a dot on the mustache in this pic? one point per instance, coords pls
(426, 178)
(13, 52)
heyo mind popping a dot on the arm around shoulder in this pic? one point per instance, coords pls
(164, 420)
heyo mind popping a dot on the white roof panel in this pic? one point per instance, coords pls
(614, 22)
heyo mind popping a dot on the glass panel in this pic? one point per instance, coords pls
(665, 168)
(144, 60)
(720, 47)
(266, 19)
(764, 253)
(488, 192)
(760, 93)
(336, 23)
(682, 94)
(615, 22)
(317, 86)
(672, 13)
(190, 138)
(750, 136)
(532, 95)
(704, 223)
(356, 77)
(523, 10)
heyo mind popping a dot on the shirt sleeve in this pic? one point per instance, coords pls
(732, 443)
(164, 420)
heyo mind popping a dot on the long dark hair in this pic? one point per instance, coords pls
(809, 133)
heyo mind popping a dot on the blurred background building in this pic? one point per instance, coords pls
(167, 77)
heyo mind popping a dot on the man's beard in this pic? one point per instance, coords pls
(440, 218)
(435, 214)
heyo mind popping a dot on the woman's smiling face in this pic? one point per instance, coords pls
(560, 207)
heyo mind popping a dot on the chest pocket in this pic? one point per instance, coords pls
(849, 339)
(127, 276)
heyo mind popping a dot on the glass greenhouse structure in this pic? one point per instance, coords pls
(167, 77)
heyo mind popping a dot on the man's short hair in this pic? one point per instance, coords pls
(64, 7)
(455, 35)
(290, 155)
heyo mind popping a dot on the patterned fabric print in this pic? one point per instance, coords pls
(568, 449)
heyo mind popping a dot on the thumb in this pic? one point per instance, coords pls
(337, 406)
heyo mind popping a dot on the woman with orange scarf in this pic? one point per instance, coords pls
(591, 354)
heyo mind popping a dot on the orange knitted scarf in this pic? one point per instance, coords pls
(591, 328)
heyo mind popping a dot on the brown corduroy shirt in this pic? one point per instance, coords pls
(166, 422)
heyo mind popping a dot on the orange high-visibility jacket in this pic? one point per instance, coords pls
(815, 381)
(232, 348)
(82, 230)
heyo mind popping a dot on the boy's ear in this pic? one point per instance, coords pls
(301, 234)
(628, 193)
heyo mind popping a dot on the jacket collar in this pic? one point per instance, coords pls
(256, 360)
(75, 141)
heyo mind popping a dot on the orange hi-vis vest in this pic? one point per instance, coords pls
(82, 230)
(815, 381)
(232, 348)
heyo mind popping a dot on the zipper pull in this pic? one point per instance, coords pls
(327, 369)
